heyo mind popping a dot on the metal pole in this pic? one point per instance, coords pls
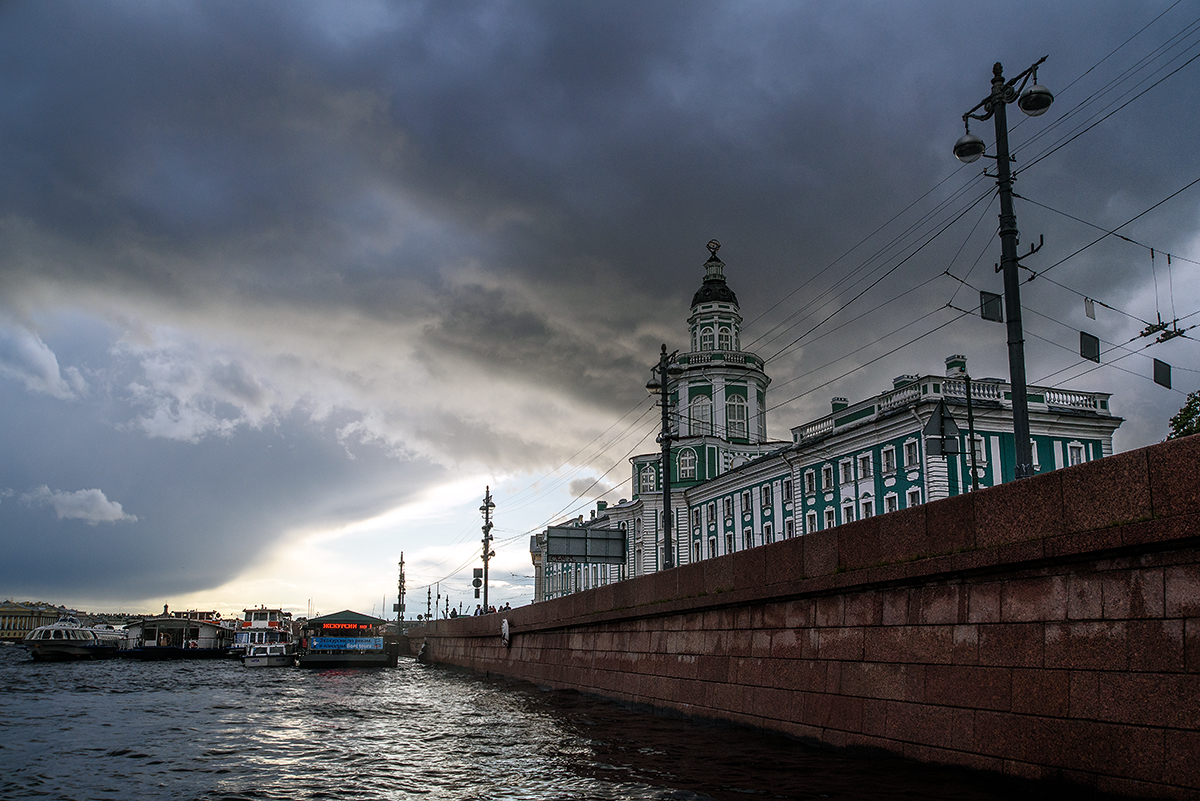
(487, 540)
(400, 611)
(665, 438)
(1012, 282)
(971, 434)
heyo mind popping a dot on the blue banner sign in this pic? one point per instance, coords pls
(346, 643)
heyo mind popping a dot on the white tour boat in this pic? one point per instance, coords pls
(275, 655)
(68, 639)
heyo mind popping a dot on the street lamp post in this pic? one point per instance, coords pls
(659, 384)
(1034, 102)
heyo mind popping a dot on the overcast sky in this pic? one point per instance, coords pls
(284, 286)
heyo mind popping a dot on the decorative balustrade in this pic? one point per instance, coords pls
(980, 390)
(908, 394)
(816, 429)
(900, 397)
(1073, 400)
(722, 357)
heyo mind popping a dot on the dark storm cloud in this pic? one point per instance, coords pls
(457, 233)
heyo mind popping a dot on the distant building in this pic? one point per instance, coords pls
(18, 619)
(733, 488)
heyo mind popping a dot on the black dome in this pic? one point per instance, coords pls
(714, 292)
(714, 289)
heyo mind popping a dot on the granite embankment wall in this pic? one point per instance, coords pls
(1047, 629)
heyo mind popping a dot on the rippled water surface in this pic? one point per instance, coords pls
(121, 729)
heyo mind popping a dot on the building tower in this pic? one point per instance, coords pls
(718, 407)
(721, 395)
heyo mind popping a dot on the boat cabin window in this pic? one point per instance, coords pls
(260, 615)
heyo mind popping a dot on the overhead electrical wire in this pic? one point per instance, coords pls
(876, 282)
(880, 254)
(1038, 273)
(883, 355)
(1088, 125)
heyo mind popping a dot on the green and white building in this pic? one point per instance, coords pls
(733, 488)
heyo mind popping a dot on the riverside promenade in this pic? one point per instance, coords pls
(1046, 629)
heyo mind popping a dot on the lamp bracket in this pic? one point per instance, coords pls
(1034, 248)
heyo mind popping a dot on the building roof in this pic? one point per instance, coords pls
(714, 289)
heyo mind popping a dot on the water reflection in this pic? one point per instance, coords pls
(119, 729)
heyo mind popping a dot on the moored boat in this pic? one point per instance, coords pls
(262, 626)
(68, 639)
(179, 637)
(276, 655)
(345, 639)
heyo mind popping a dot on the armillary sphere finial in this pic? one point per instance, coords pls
(713, 246)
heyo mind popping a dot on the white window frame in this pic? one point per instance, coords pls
(687, 464)
(700, 416)
(647, 479)
(848, 512)
(913, 492)
(846, 471)
(827, 477)
(768, 533)
(735, 417)
(1074, 448)
(810, 482)
(706, 338)
(830, 517)
(866, 466)
(787, 490)
(867, 508)
(789, 528)
(887, 458)
(912, 453)
(891, 503)
(728, 507)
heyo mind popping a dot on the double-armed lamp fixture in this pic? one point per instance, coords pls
(1034, 101)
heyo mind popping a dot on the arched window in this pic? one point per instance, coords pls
(724, 339)
(701, 415)
(735, 416)
(648, 478)
(687, 465)
(706, 339)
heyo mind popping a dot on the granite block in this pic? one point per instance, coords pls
(1107, 492)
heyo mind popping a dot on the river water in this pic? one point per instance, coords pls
(121, 729)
